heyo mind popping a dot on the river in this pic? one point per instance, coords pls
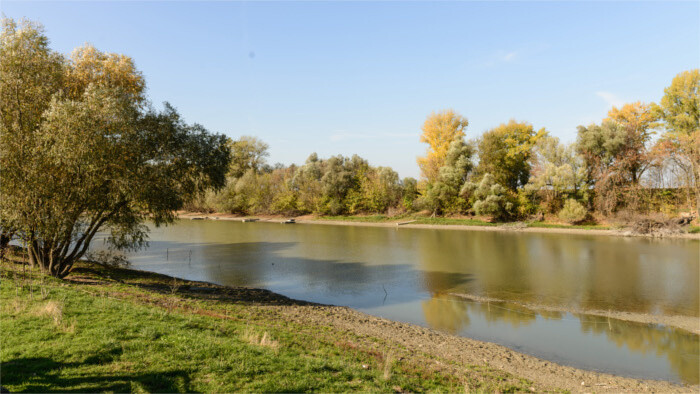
(418, 275)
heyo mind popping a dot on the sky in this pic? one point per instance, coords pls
(359, 77)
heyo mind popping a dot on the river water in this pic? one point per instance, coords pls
(416, 275)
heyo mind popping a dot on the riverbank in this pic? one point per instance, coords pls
(441, 223)
(107, 329)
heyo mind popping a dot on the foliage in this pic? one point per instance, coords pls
(679, 110)
(439, 130)
(505, 152)
(602, 148)
(572, 212)
(247, 153)
(95, 159)
(490, 198)
(443, 195)
(557, 171)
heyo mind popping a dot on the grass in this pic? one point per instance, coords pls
(108, 329)
(578, 226)
(455, 221)
(694, 229)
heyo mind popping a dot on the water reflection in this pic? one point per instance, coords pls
(583, 272)
(680, 348)
(406, 274)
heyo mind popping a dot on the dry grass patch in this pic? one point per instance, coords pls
(264, 340)
(388, 364)
(51, 309)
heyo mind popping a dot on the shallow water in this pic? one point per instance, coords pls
(408, 274)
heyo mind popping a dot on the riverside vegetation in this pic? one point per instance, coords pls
(615, 173)
(83, 151)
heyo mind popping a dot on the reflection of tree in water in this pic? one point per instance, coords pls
(446, 315)
(452, 314)
(681, 348)
(571, 271)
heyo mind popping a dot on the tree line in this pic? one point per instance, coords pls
(83, 151)
(510, 172)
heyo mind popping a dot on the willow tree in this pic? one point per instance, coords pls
(92, 157)
(30, 73)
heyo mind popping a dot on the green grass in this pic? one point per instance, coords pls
(121, 330)
(454, 221)
(370, 219)
(580, 226)
(451, 221)
(693, 229)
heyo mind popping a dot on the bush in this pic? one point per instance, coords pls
(490, 198)
(573, 212)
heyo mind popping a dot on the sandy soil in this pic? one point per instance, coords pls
(309, 219)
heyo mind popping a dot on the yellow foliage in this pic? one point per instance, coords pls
(109, 70)
(636, 117)
(439, 130)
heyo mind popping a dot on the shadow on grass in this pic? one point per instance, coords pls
(42, 374)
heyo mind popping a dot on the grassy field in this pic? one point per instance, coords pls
(106, 329)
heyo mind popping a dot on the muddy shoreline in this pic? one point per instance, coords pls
(502, 228)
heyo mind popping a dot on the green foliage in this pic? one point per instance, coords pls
(505, 152)
(490, 198)
(443, 196)
(557, 171)
(409, 193)
(247, 153)
(95, 161)
(573, 212)
(679, 110)
(680, 106)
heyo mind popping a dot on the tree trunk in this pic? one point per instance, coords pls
(5, 238)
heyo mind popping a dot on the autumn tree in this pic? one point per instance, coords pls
(442, 196)
(94, 159)
(640, 123)
(557, 171)
(247, 153)
(30, 74)
(505, 152)
(602, 147)
(679, 109)
(439, 130)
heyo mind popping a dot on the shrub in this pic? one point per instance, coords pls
(490, 198)
(573, 212)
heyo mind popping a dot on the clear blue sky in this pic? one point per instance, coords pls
(360, 77)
